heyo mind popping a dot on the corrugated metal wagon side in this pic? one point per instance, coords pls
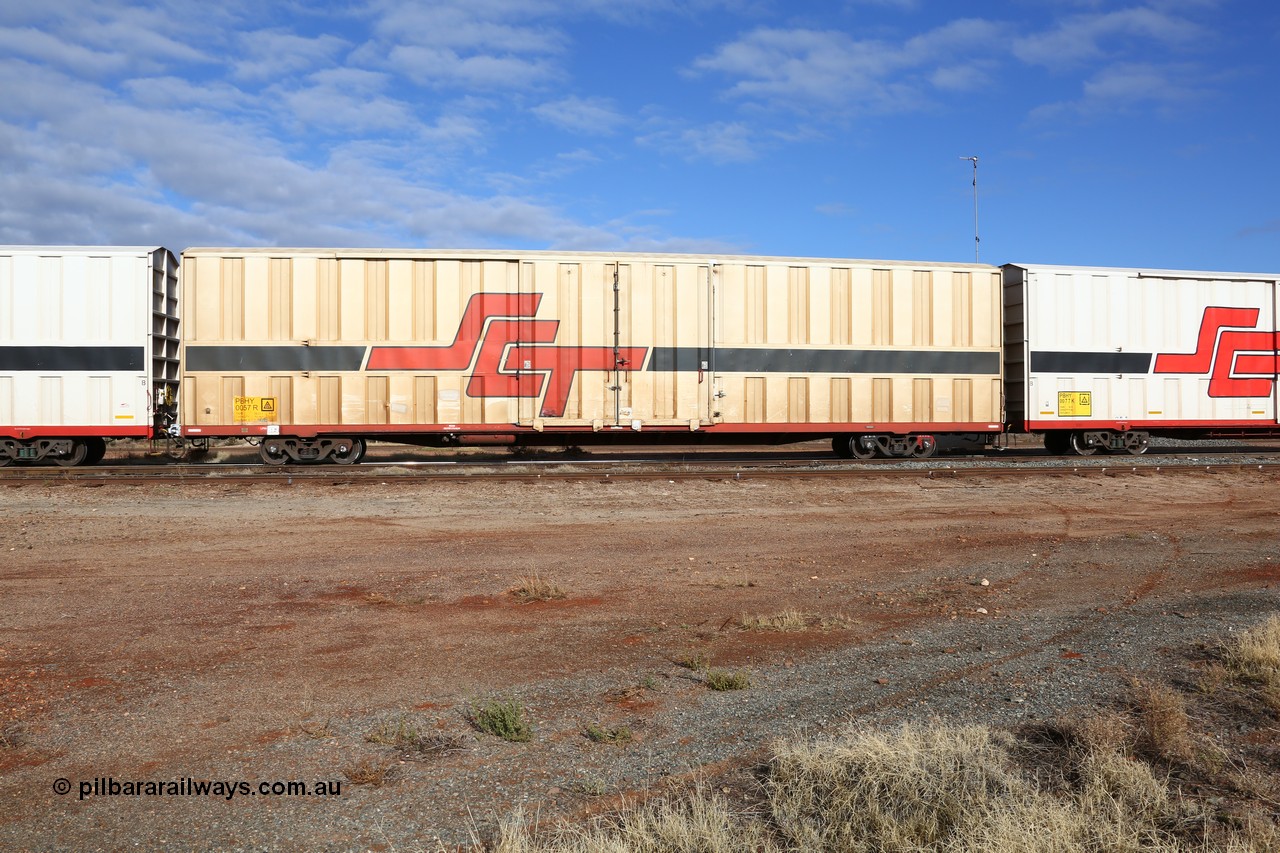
(314, 352)
(88, 349)
(1101, 359)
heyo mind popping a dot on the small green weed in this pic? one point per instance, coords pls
(597, 734)
(696, 661)
(502, 719)
(723, 679)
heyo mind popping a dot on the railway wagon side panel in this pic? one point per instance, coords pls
(1147, 349)
(393, 342)
(88, 340)
(858, 345)
(319, 341)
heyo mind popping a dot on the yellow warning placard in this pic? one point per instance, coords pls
(1075, 404)
(256, 410)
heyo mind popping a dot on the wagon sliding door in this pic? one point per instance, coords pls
(661, 329)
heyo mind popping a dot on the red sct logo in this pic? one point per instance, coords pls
(513, 354)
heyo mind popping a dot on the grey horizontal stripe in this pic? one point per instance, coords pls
(744, 360)
(1090, 362)
(271, 359)
(106, 359)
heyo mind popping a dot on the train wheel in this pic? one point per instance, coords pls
(349, 451)
(79, 453)
(863, 446)
(273, 452)
(923, 447)
(5, 459)
(1057, 442)
(1136, 443)
(1078, 446)
(97, 450)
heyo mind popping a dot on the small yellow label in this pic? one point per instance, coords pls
(256, 410)
(1075, 404)
(124, 417)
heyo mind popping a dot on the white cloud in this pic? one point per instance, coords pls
(1128, 86)
(827, 69)
(596, 116)
(1083, 38)
(719, 142)
(270, 54)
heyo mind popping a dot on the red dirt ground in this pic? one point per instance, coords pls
(261, 632)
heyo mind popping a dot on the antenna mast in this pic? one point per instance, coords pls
(976, 239)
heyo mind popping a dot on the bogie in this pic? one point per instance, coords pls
(342, 450)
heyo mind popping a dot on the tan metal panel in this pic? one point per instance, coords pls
(303, 299)
(962, 400)
(798, 400)
(328, 300)
(882, 400)
(778, 304)
(255, 291)
(328, 393)
(424, 400)
(755, 408)
(988, 326)
(229, 387)
(424, 302)
(797, 306)
(841, 311)
(922, 308)
(376, 298)
(841, 401)
(401, 310)
(377, 400)
(882, 321)
(352, 323)
(956, 302)
(280, 300)
(231, 299)
(757, 307)
(281, 388)
(921, 401)
(903, 301)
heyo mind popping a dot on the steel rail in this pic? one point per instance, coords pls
(606, 472)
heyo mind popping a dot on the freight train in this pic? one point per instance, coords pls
(312, 353)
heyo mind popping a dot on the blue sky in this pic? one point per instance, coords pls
(1110, 133)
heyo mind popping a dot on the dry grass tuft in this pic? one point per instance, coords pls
(1255, 657)
(1095, 783)
(537, 588)
(1164, 727)
(699, 824)
(317, 730)
(414, 742)
(926, 789)
(369, 771)
(787, 620)
(790, 620)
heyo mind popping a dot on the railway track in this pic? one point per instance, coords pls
(600, 467)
